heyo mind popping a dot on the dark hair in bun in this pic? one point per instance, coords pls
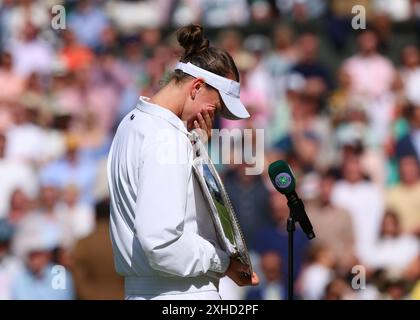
(191, 38)
(199, 52)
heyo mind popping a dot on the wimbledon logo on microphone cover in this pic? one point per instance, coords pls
(283, 180)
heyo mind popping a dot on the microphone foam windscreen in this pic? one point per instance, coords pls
(282, 177)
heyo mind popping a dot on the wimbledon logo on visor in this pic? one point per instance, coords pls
(283, 180)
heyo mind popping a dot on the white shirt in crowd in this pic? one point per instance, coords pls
(37, 15)
(38, 231)
(315, 279)
(26, 142)
(364, 202)
(10, 266)
(15, 175)
(411, 79)
(34, 56)
(163, 237)
(80, 220)
(395, 253)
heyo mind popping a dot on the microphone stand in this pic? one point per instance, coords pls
(296, 214)
(291, 227)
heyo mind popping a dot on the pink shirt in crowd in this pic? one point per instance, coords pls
(362, 69)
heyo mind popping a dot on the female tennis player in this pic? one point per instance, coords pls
(164, 241)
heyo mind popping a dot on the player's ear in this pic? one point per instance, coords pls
(195, 86)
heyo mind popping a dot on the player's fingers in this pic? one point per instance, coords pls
(255, 280)
(208, 119)
(201, 121)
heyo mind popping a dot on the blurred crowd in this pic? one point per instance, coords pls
(351, 135)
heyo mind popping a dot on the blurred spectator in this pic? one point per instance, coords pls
(133, 56)
(232, 41)
(101, 188)
(27, 11)
(278, 62)
(92, 138)
(77, 217)
(409, 144)
(301, 10)
(333, 226)
(415, 295)
(25, 139)
(354, 135)
(6, 117)
(262, 11)
(93, 264)
(339, 101)
(377, 97)
(151, 39)
(273, 237)
(318, 273)
(250, 199)
(30, 53)
(73, 54)
(35, 100)
(129, 16)
(309, 137)
(14, 175)
(364, 202)
(110, 41)
(412, 275)
(185, 12)
(394, 250)
(397, 10)
(87, 21)
(338, 289)
(396, 289)
(20, 207)
(272, 286)
(404, 197)
(64, 95)
(11, 83)
(96, 94)
(368, 64)
(257, 77)
(39, 279)
(38, 235)
(71, 169)
(224, 13)
(45, 218)
(339, 20)
(6, 8)
(308, 64)
(9, 264)
(410, 73)
(281, 122)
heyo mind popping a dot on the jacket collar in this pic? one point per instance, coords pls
(163, 113)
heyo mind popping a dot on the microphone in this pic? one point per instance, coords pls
(283, 179)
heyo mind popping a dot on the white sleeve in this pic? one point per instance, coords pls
(161, 210)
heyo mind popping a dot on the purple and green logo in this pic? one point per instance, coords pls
(283, 180)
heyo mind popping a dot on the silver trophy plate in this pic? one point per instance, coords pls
(223, 214)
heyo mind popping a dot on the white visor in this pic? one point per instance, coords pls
(228, 90)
